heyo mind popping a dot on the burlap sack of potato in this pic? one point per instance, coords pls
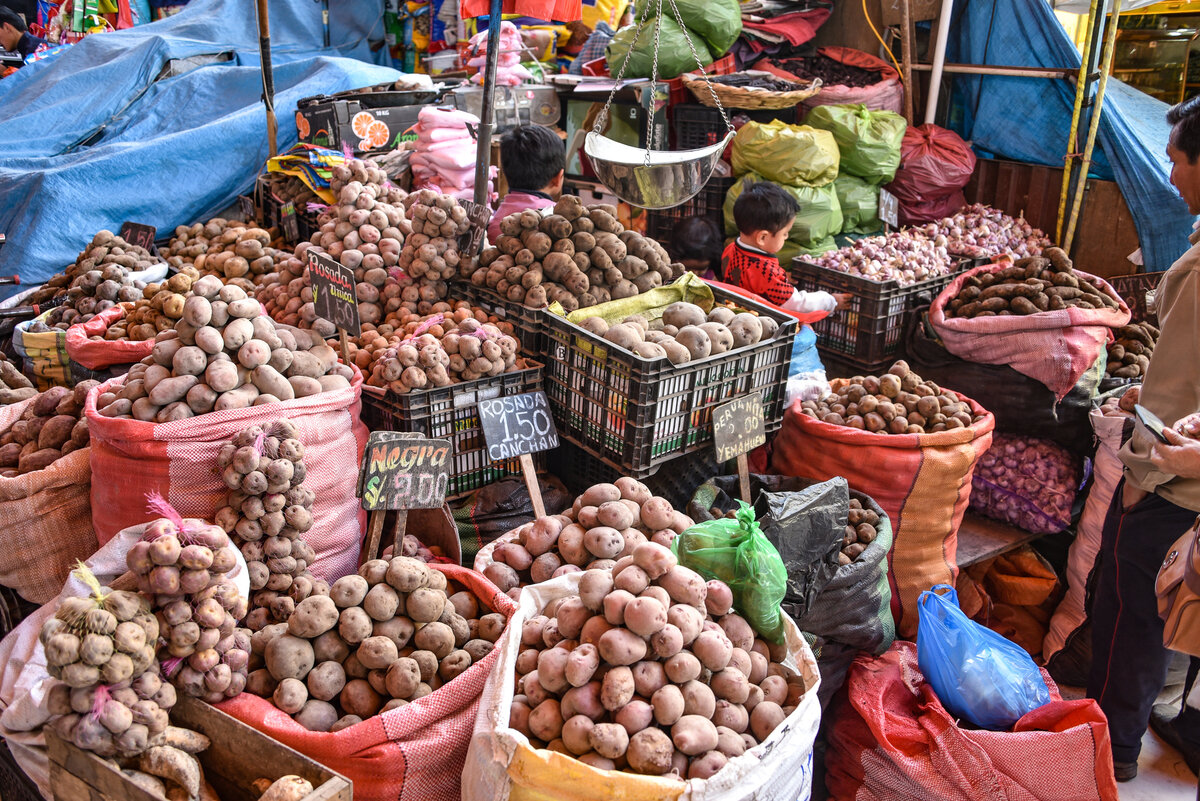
(1054, 347)
(414, 753)
(96, 354)
(502, 764)
(922, 481)
(47, 518)
(178, 460)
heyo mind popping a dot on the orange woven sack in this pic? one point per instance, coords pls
(922, 481)
(892, 740)
(47, 521)
(414, 753)
(178, 461)
(96, 354)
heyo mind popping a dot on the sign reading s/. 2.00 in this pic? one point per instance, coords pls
(334, 292)
(403, 471)
(738, 427)
(517, 424)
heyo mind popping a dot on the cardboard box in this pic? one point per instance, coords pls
(365, 119)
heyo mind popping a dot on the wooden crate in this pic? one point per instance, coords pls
(238, 755)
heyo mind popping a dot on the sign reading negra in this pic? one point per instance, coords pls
(400, 471)
(138, 234)
(738, 427)
(517, 424)
(334, 292)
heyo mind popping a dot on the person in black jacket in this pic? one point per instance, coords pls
(15, 35)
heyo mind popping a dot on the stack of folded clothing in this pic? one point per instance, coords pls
(445, 153)
(770, 27)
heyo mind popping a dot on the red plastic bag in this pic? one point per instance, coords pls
(178, 460)
(919, 212)
(96, 354)
(934, 163)
(892, 739)
(922, 481)
(555, 10)
(414, 753)
(1054, 347)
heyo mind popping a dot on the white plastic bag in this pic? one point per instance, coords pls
(779, 768)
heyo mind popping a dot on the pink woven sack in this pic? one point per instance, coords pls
(1054, 347)
(179, 461)
(414, 753)
(892, 740)
(96, 354)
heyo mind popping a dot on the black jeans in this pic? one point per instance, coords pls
(1129, 662)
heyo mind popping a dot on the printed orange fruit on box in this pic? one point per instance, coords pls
(361, 122)
(302, 127)
(378, 134)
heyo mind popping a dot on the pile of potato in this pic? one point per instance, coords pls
(102, 650)
(430, 252)
(898, 402)
(685, 332)
(14, 386)
(183, 565)
(463, 351)
(394, 632)
(1031, 285)
(648, 669)
(606, 523)
(159, 309)
(223, 354)
(861, 530)
(106, 250)
(578, 256)
(1129, 354)
(236, 252)
(268, 511)
(49, 428)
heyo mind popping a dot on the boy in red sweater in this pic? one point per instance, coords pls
(764, 214)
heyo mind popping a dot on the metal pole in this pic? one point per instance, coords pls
(268, 78)
(1081, 87)
(908, 41)
(939, 60)
(483, 151)
(325, 21)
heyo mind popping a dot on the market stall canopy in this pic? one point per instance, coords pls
(1028, 119)
(92, 137)
(1083, 6)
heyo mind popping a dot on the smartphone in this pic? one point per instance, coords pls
(1150, 420)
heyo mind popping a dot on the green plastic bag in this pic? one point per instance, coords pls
(739, 554)
(674, 55)
(792, 155)
(717, 22)
(869, 141)
(820, 215)
(860, 204)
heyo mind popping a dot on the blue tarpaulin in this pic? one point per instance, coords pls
(1028, 119)
(89, 138)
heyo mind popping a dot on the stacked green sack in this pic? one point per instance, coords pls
(869, 145)
(804, 161)
(712, 25)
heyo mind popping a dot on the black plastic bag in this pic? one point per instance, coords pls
(498, 508)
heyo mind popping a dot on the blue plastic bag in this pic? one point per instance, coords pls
(805, 358)
(976, 673)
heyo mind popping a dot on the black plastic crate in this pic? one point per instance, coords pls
(270, 213)
(710, 202)
(870, 334)
(636, 414)
(677, 480)
(453, 413)
(526, 322)
(696, 126)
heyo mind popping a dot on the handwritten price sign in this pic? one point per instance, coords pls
(334, 292)
(516, 425)
(403, 471)
(738, 427)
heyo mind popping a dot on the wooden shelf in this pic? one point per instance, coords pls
(981, 538)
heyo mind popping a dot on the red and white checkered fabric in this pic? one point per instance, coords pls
(132, 458)
(414, 753)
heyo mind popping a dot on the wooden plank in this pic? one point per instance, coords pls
(980, 539)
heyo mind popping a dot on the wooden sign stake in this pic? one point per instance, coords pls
(345, 341)
(374, 532)
(398, 531)
(743, 468)
(531, 484)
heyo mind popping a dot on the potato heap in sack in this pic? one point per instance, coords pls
(50, 428)
(106, 263)
(395, 632)
(649, 669)
(578, 256)
(158, 309)
(223, 354)
(605, 524)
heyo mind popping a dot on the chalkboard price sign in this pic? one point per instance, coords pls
(470, 243)
(518, 424)
(334, 292)
(138, 234)
(288, 221)
(889, 208)
(403, 471)
(738, 427)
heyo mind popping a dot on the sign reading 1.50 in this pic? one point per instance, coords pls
(517, 424)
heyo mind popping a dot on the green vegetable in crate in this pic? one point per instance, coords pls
(869, 141)
(685, 332)
(737, 553)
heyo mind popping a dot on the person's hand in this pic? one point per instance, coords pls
(1178, 456)
(843, 300)
(1189, 426)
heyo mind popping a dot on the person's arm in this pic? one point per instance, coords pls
(1178, 456)
(778, 289)
(811, 301)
